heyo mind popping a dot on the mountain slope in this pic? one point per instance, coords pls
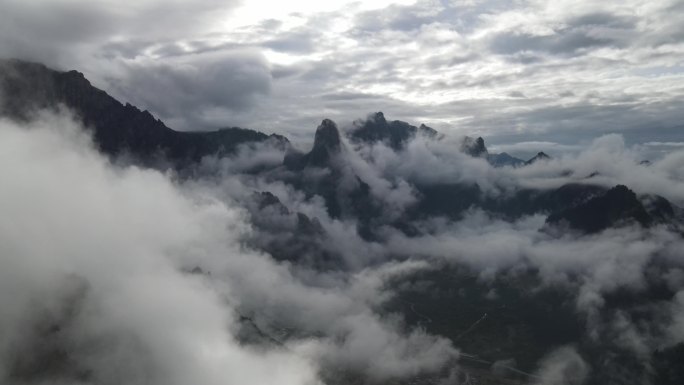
(474, 147)
(504, 159)
(117, 128)
(541, 156)
(327, 146)
(617, 206)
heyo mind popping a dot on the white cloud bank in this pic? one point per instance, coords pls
(89, 282)
(95, 289)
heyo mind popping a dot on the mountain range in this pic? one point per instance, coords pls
(120, 129)
(333, 172)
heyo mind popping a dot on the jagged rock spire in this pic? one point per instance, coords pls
(327, 143)
(327, 136)
(474, 147)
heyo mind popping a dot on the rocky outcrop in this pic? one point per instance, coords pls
(327, 146)
(395, 133)
(504, 159)
(474, 147)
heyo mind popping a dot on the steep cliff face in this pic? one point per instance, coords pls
(327, 146)
(344, 192)
(116, 128)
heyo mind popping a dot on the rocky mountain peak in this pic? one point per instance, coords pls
(395, 133)
(427, 131)
(327, 136)
(474, 147)
(540, 156)
(327, 143)
(379, 118)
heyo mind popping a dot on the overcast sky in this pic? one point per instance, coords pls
(523, 74)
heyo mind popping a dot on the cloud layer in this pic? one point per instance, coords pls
(114, 274)
(108, 264)
(92, 291)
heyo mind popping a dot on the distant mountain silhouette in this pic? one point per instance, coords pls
(474, 147)
(504, 159)
(541, 156)
(531, 201)
(325, 170)
(615, 207)
(117, 128)
(477, 148)
(327, 145)
(396, 133)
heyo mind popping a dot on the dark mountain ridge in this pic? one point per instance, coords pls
(123, 129)
(327, 145)
(617, 206)
(395, 133)
(504, 159)
(116, 128)
(541, 156)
